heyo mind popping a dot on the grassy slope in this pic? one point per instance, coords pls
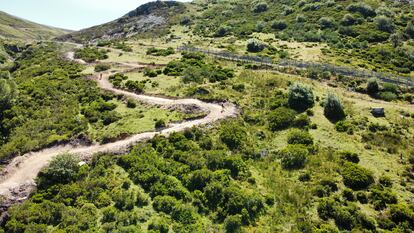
(16, 28)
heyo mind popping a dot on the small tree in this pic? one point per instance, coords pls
(254, 46)
(333, 108)
(372, 87)
(300, 97)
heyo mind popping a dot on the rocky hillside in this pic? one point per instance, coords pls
(151, 16)
(15, 28)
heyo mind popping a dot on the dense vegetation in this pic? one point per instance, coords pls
(373, 31)
(41, 103)
(301, 156)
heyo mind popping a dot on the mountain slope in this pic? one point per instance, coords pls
(16, 28)
(154, 15)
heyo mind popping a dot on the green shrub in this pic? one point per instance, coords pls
(362, 8)
(294, 157)
(135, 86)
(260, 7)
(62, 169)
(348, 20)
(410, 29)
(152, 73)
(281, 118)
(402, 213)
(159, 124)
(344, 126)
(300, 137)
(91, 54)
(131, 104)
(160, 52)
(165, 204)
(349, 156)
(373, 87)
(223, 30)
(254, 45)
(233, 136)
(333, 109)
(326, 22)
(279, 25)
(388, 96)
(385, 181)
(300, 97)
(159, 225)
(326, 208)
(233, 223)
(356, 177)
(102, 67)
(348, 194)
(302, 121)
(384, 24)
(344, 219)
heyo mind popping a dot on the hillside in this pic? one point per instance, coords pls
(153, 16)
(12, 27)
(310, 121)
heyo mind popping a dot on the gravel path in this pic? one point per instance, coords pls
(17, 179)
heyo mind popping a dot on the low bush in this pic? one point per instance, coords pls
(356, 177)
(91, 54)
(254, 45)
(294, 157)
(349, 156)
(300, 137)
(160, 52)
(102, 67)
(281, 118)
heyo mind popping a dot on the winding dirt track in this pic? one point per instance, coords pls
(18, 178)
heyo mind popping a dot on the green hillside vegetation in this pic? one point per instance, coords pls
(277, 167)
(304, 154)
(15, 28)
(47, 101)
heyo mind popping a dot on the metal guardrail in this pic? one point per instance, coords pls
(266, 61)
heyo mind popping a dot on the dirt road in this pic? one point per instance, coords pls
(18, 177)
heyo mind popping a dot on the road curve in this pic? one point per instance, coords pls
(18, 177)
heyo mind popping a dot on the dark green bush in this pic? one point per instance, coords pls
(62, 169)
(294, 157)
(233, 136)
(349, 156)
(91, 54)
(356, 177)
(160, 123)
(281, 118)
(254, 46)
(300, 97)
(333, 109)
(102, 67)
(260, 7)
(279, 25)
(372, 87)
(160, 52)
(300, 137)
